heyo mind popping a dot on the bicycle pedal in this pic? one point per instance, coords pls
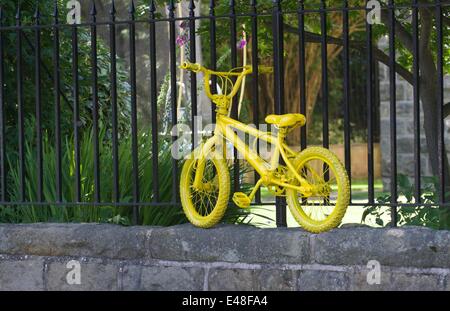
(241, 199)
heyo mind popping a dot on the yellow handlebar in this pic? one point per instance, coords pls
(190, 66)
(197, 67)
(228, 90)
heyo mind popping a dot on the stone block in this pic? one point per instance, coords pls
(22, 275)
(90, 240)
(231, 280)
(166, 278)
(246, 279)
(392, 279)
(94, 275)
(406, 247)
(322, 280)
(245, 244)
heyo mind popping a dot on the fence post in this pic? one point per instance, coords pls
(115, 138)
(442, 165)
(255, 82)
(347, 92)
(56, 85)
(134, 129)
(277, 24)
(213, 56)
(370, 106)
(173, 92)
(154, 103)
(20, 104)
(392, 112)
(95, 107)
(2, 117)
(193, 59)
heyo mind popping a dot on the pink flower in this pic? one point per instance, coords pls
(241, 44)
(181, 40)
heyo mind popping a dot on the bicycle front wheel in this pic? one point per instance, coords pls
(206, 204)
(324, 207)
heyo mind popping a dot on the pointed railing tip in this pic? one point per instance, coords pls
(112, 11)
(93, 8)
(171, 5)
(152, 6)
(55, 9)
(212, 4)
(37, 12)
(191, 5)
(132, 8)
(18, 14)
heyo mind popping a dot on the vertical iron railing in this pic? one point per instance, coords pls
(154, 102)
(234, 109)
(56, 86)
(416, 99)
(95, 117)
(20, 104)
(213, 54)
(37, 61)
(302, 69)
(134, 126)
(193, 77)
(440, 102)
(278, 48)
(3, 173)
(76, 113)
(370, 112)
(255, 83)
(173, 92)
(346, 86)
(114, 112)
(393, 112)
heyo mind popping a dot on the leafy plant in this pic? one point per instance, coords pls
(47, 89)
(69, 211)
(419, 215)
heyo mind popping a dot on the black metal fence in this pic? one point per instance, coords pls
(21, 36)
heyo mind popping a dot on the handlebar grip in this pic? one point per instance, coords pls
(190, 66)
(265, 69)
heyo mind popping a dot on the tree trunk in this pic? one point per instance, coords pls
(430, 104)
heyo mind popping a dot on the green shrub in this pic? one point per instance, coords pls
(160, 215)
(420, 215)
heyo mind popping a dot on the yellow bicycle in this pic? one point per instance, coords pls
(314, 181)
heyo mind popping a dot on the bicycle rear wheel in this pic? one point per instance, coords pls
(323, 208)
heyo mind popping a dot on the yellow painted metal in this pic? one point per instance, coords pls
(205, 182)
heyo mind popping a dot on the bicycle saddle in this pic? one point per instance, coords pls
(286, 120)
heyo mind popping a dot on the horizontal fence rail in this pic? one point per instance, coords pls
(77, 115)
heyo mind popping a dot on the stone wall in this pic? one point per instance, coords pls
(405, 126)
(39, 257)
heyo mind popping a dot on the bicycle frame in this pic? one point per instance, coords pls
(225, 129)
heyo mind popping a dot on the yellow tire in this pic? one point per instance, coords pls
(323, 208)
(205, 207)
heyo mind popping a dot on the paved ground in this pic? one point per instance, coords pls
(353, 214)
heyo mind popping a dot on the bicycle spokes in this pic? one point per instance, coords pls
(319, 204)
(204, 197)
